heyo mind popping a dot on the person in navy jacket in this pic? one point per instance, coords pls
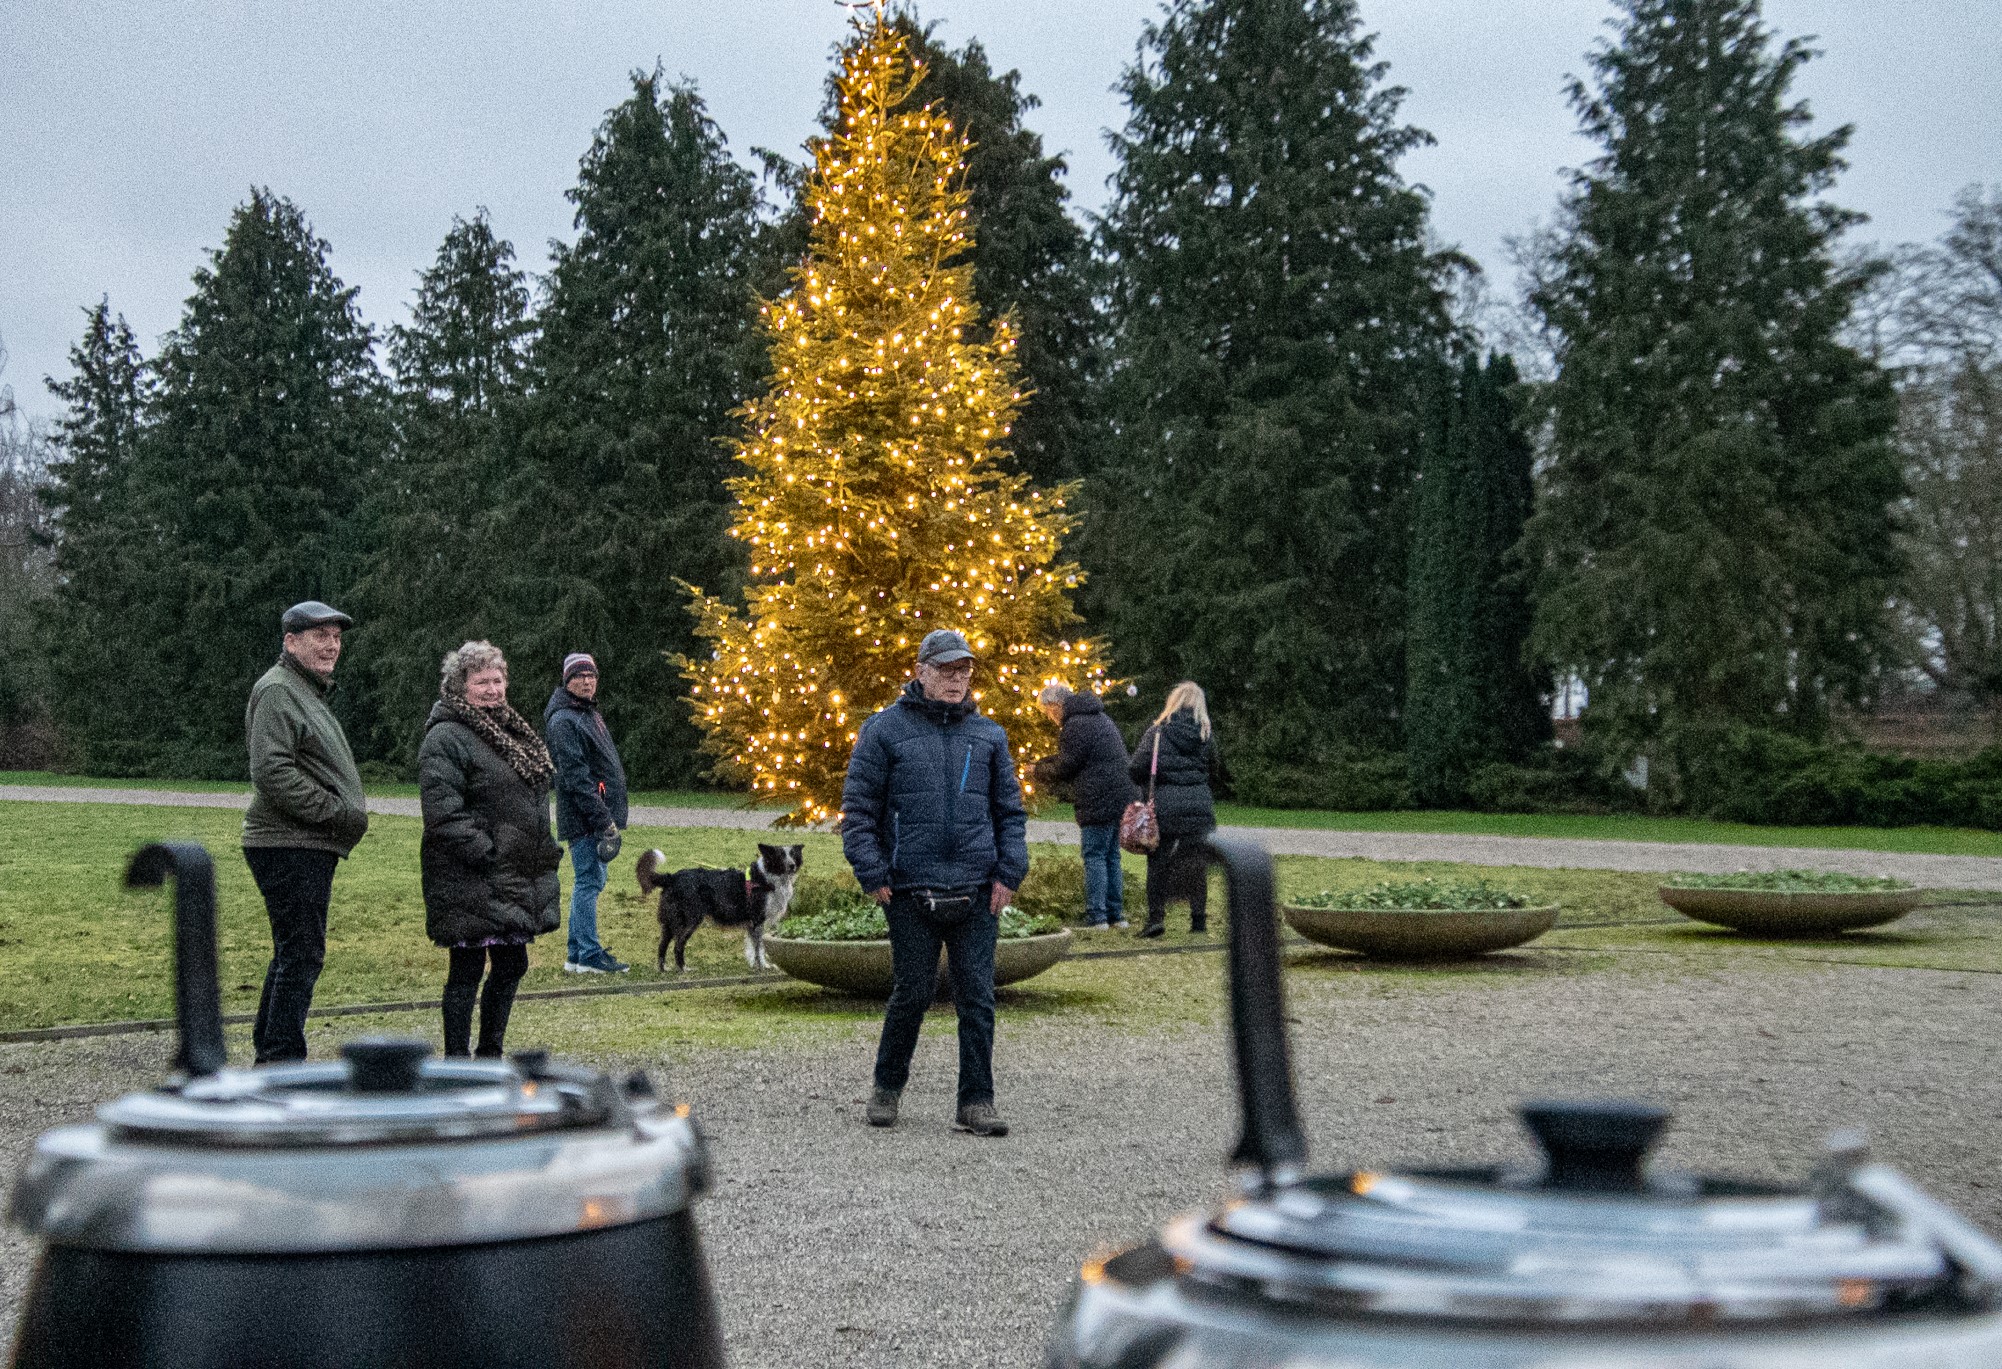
(933, 825)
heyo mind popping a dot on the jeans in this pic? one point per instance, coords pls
(590, 882)
(1104, 881)
(914, 948)
(462, 988)
(297, 884)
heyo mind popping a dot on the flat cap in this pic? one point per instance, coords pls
(943, 647)
(313, 613)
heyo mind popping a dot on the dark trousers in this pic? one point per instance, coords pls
(496, 1000)
(1177, 869)
(296, 884)
(914, 948)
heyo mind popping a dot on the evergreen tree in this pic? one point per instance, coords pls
(1031, 260)
(1471, 698)
(647, 345)
(105, 552)
(266, 425)
(26, 580)
(1714, 544)
(460, 367)
(876, 507)
(1274, 312)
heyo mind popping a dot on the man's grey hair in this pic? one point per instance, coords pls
(464, 663)
(1055, 694)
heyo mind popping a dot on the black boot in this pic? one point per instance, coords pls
(459, 1018)
(496, 1004)
(1199, 923)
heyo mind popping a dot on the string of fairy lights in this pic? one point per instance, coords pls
(876, 503)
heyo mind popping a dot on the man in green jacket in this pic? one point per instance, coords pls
(306, 815)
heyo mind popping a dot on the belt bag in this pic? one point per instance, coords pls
(944, 909)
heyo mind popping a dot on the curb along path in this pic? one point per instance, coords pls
(1932, 871)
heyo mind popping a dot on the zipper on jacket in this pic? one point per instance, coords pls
(967, 768)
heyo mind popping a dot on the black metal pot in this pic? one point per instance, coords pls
(385, 1209)
(1588, 1260)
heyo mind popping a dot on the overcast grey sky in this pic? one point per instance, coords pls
(130, 129)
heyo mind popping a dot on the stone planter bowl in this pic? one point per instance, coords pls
(1766, 912)
(1421, 933)
(863, 967)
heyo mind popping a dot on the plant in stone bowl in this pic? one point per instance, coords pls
(840, 939)
(1426, 919)
(1791, 902)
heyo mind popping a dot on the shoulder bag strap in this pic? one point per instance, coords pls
(1155, 768)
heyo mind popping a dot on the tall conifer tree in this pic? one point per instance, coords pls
(1714, 543)
(876, 505)
(1471, 697)
(460, 367)
(647, 344)
(103, 548)
(1030, 258)
(266, 425)
(1274, 313)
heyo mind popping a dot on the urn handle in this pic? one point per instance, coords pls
(1597, 1146)
(385, 1064)
(197, 996)
(1272, 1140)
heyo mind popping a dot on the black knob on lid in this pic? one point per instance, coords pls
(534, 1064)
(385, 1064)
(1598, 1146)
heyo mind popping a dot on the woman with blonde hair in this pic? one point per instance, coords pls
(489, 862)
(1174, 761)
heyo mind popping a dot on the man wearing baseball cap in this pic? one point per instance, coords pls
(932, 822)
(306, 813)
(590, 805)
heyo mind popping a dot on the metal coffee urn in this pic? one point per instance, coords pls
(1589, 1261)
(384, 1209)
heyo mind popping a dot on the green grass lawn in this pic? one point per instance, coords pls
(76, 947)
(1952, 841)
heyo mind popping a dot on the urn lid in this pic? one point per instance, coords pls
(335, 1156)
(1592, 1236)
(383, 1149)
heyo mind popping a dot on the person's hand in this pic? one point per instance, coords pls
(881, 895)
(999, 899)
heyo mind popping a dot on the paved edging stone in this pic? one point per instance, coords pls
(1550, 853)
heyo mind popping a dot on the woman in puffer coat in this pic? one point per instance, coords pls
(488, 859)
(1183, 806)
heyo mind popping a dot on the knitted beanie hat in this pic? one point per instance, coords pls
(578, 663)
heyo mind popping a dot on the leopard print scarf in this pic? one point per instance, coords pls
(508, 733)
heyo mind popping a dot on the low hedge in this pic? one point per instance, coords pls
(1752, 775)
(1053, 892)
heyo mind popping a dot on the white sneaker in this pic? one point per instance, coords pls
(579, 967)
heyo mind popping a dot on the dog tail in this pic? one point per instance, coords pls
(649, 862)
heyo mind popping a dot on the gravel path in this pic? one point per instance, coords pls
(1933, 871)
(836, 1245)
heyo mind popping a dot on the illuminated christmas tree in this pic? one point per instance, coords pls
(878, 506)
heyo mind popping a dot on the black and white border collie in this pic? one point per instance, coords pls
(753, 899)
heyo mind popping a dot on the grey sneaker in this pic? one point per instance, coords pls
(981, 1119)
(883, 1107)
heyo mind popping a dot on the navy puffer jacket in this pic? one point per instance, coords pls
(1183, 804)
(1092, 760)
(931, 800)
